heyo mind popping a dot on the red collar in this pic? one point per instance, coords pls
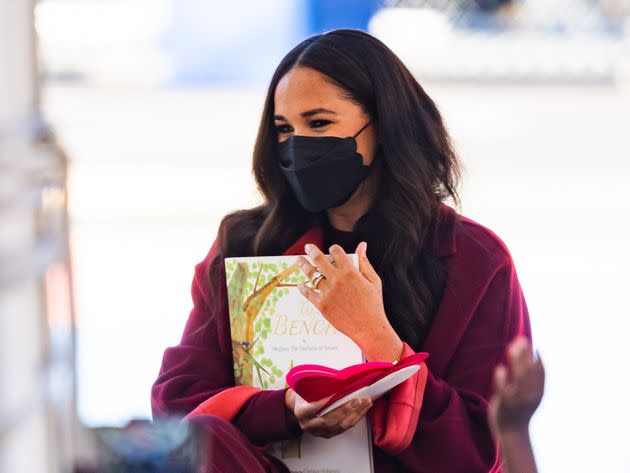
(314, 235)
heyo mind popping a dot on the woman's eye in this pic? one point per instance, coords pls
(319, 123)
(283, 129)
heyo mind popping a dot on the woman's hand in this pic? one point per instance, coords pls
(351, 299)
(518, 389)
(330, 424)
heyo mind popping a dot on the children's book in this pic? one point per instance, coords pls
(274, 328)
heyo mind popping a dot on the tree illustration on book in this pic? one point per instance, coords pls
(291, 448)
(252, 297)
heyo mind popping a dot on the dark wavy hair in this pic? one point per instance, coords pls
(419, 169)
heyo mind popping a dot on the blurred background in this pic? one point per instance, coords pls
(126, 133)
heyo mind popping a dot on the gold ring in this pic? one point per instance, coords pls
(316, 279)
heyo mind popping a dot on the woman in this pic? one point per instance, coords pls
(353, 156)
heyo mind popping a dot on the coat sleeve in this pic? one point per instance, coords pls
(452, 434)
(201, 366)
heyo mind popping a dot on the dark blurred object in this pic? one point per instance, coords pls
(491, 5)
(142, 446)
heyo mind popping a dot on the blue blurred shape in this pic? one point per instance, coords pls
(239, 43)
(325, 15)
(230, 43)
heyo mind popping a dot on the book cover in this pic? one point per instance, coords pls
(274, 328)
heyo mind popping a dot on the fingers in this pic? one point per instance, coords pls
(341, 258)
(311, 294)
(324, 263)
(307, 268)
(520, 357)
(351, 421)
(526, 372)
(306, 410)
(358, 408)
(306, 414)
(337, 415)
(518, 388)
(500, 379)
(347, 422)
(365, 267)
(321, 262)
(336, 421)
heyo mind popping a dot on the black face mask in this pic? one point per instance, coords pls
(323, 171)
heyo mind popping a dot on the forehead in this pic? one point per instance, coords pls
(302, 88)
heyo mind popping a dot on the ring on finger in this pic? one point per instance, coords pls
(316, 278)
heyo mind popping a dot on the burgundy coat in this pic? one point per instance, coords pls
(481, 311)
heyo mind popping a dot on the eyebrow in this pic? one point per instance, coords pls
(308, 113)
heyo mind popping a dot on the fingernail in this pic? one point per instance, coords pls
(355, 403)
(308, 248)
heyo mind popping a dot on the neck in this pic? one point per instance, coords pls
(346, 216)
(342, 220)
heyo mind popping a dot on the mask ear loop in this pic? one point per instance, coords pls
(364, 127)
(369, 168)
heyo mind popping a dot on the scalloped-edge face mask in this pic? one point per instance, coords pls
(323, 171)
